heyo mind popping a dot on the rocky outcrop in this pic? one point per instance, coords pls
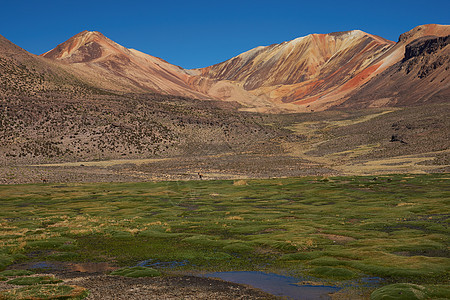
(419, 76)
(83, 47)
(420, 55)
(425, 45)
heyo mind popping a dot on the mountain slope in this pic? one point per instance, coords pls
(311, 73)
(111, 66)
(319, 71)
(48, 114)
(301, 70)
(23, 74)
(295, 61)
(419, 74)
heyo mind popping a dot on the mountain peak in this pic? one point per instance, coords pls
(85, 46)
(355, 32)
(301, 60)
(424, 30)
(86, 34)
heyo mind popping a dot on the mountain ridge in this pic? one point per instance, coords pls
(94, 106)
(310, 73)
(328, 89)
(93, 55)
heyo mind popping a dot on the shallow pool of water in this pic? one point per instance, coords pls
(161, 264)
(277, 285)
(45, 265)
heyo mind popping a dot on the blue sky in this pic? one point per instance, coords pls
(201, 33)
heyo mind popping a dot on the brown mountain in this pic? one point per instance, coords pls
(50, 111)
(306, 71)
(320, 71)
(311, 73)
(417, 73)
(23, 74)
(111, 66)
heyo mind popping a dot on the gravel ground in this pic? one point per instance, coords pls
(106, 287)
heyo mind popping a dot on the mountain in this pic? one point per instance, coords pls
(23, 74)
(305, 70)
(90, 99)
(51, 112)
(415, 72)
(106, 64)
(320, 71)
(312, 73)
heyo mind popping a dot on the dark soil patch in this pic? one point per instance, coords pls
(178, 287)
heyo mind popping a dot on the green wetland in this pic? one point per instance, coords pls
(332, 230)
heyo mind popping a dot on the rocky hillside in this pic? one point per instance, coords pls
(129, 126)
(321, 71)
(108, 65)
(311, 73)
(50, 113)
(305, 69)
(23, 74)
(420, 77)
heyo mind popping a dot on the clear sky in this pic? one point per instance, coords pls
(197, 33)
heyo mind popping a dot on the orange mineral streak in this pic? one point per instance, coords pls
(307, 101)
(422, 77)
(360, 78)
(302, 92)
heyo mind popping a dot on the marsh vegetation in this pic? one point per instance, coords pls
(330, 229)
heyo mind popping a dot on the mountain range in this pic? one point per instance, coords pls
(312, 73)
(379, 107)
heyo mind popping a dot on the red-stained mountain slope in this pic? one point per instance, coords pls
(315, 72)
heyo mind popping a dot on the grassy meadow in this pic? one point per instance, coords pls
(331, 229)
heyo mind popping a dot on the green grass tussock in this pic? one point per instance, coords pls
(5, 260)
(394, 227)
(238, 248)
(44, 292)
(137, 272)
(34, 280)
(301, 256)
(333, 273)
(409, 291)
(327, 261)
(10, 273)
